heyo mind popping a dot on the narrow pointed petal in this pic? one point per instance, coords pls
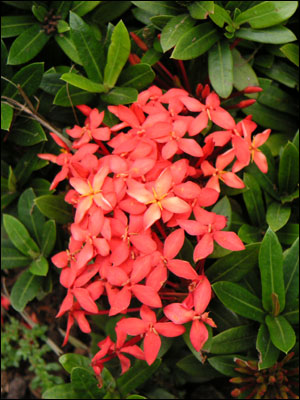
(85, 255)
(141, 268)
(198, 124)
(163, 182)
(151, 215)
(207, 168)
(80, 185)
(82, 207)
(84, 299)
(261, 138)
(133, 326)
(178, 314)
(120, 301)
(204, 247)
(202, 295)
(147, 295)
(203, 216)
(229, 240)
(116, 276)
(224, 159)
(207, 197)
(198, 334)
(241, 148)
(261, 161)
(192, 104)
(213, 183)
(169, 329)
(187, 190)
(157, 277)
(222, 118)
(101, 133)
(169, 149)
(66, 305)
(175, 205)
(143, 242)
(138, 191)
(152, 343)
(82, 321)
(67, 277)
(192, 227)
(147, 314)
(182, 268)
(99, 178)
(191, 147)
(173, 244)
(125, 363)
(232, 180)
(220, 138)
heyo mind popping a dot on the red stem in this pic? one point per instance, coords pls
(184, 75)
(161, 229)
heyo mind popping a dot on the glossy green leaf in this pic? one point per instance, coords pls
(39, 11)
(39, 266)
(136, 396)
(151, 57)
(235, 265)
(266, 61)
(137, 76)
(253, 200)
(106, 13)
(15, 25)
(249, 234)
(61, 7)
(7, 198)
(82, 379)
(27, 45)
(271, 272)
(118, 53)
(220, 16)
(291, 312)
(267, 13)
(28, 133)
(51, 83)
(174, 29)
(23, 5)
(30, 215)
(158, 7)
(281, 332)
(7, 113)
(239, 300)
(278, 215)
(288, 169)
(291, 51)
(282, 72)
(82, 83)
(72, 360)
(243, 73)
(224, 364)
(223, 207)
(28, 77)
(28, 163)
(296, 140)
(275, 35)
(268, 353)
(201, 9)
(67, 45)
(291, 272)
(83, 7)
(239, 338)
(71, 95)
(90, 50)
(25, 289)
(40, 186)
(63, 391)
(136, 376)
(195, 42)
(120, 95)
(222, 316)
(288, 234)
(48, 237)
(19, 236)
(220, 68)
(12, 181)
(12, 258)
(290, 197)
(278, 99)
(192, 367)
(54, 207)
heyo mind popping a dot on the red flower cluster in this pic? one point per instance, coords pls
(133, 206)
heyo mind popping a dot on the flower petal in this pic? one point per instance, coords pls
(229, 240)
(204, 247)
(198, 334)
(173, 244)
(152, 343)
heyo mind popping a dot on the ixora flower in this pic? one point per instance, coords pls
(135, 197)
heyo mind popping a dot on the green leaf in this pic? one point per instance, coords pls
(82, 379)
(136, 376)
(106, 13)
(54, 207)
(83, 7)
(30, 215)
(281, 332)
(277, 215)
(195, 42)
(70, 95)
(201, 9)
(271, 272)
(27, 45)
(268, 353)
(239, 300)
(40, 186)
(12, 258)
(290, 197)
(137, 76)
(120, 95)
(28, 133)
(278, 99)
(192, 367)
(62, 26)
(239, 338)
(136, 396)
(220, 68)
(23, 5)
(118, 53)
(151, 57)
(224, 364)
(51, 83)
(288, 169)
(235, 265)
(90, 50)
(12, 181)
(72, 360)
(82, 82)
(67, 45)
(19, 236)
(61, 8)
(220, 16)
(267, 13)
(283, 73)
(39, 266)
(253, 200)
(174, 29)
(275, 35)
(25, 289)
(15, 25)
(63, 391)
(291, 313)
(249, 234)
(291, 51)
(40, 12)
(28, 163)
(222, 316)
(243, 73)
(48, 237)
(291, 272)
(288, 234)
(7, 113)
(28, 77)
(158, 7)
